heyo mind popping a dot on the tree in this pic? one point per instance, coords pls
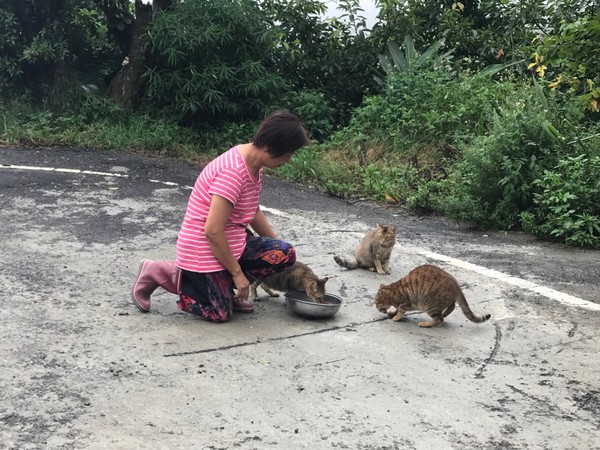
(572, 55)
(46, 41)
(131, 34)
(333, 56)
(213, 60)
(127, 85)
(481, 32)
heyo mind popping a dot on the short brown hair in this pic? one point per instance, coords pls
(281, 132)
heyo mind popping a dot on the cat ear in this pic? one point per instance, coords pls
(324, 280)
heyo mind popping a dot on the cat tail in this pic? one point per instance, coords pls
(464, 306)
(346, 263)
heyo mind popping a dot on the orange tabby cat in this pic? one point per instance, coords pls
(374, 251)
(298, 277)
(428, 289)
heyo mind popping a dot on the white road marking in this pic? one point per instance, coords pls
(170, 183)
(57, 169)
(275, 212)
(509, 279)
(10, 166)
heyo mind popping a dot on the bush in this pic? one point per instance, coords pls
(304, 166)
(494, 182)
(311, 106)
(211, 60)
(567, 205)
(425, 108)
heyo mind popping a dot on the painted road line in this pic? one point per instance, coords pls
(170, 183)
(275, 212)
(64, 170)
(3, 166)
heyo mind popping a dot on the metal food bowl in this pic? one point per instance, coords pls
(304, 306)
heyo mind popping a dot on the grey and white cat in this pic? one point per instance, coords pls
(298, 277)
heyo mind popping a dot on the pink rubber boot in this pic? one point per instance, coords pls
(153, 274)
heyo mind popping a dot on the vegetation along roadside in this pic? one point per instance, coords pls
(485, 112)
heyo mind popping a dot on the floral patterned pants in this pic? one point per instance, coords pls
(210, 295)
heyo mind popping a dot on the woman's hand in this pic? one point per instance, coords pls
(242, 286)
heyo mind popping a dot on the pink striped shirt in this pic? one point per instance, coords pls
(229, 177)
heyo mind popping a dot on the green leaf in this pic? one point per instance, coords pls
(540, 94)
(495, 68)
(429, 52)
(552, 132)
(409, 50)
(398, 59)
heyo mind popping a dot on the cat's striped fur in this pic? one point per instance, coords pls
(426, 288)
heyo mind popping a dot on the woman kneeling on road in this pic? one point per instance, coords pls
(215, 253)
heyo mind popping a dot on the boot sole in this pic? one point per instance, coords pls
(140, 307)
(247, 308)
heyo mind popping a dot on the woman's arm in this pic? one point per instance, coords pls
(218, 215)
(261, 225)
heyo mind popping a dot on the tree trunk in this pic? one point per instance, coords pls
(125, 88)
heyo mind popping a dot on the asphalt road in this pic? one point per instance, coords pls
(82, 368)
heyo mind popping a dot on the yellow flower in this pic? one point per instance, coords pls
(595, 105)
(390, 198)
(555, 83)
(540, 68)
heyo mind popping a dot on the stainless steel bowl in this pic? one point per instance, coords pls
(303, 305)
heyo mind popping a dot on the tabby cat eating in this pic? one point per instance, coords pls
(426, 288)
(373, 252)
